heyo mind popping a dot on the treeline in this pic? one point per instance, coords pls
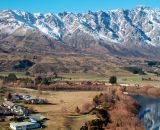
(10, 78)
(54, 83)
(39, 80)
(67, 87)
(135, 70)
(153, 63)
(50, 83)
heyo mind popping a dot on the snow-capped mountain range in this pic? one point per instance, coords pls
(139, 27)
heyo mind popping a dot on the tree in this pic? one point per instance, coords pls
(45, 81)
(96, 101)
(28, 73)
(113, 80)
(38, 80)
(12, 77)
(9, 96)
(77, 110)
(55, 75)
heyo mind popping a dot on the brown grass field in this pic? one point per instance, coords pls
(61, 112)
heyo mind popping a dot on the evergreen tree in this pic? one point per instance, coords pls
(113, 80)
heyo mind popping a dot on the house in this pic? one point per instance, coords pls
(37, 101)
(16, 97)
(16, 108)
(38, 117)
(26, 97)
(8, 104)
(5, 112)
(24, 125)
(21, 110)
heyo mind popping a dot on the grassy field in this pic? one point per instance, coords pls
(83, 77)
(138, 80)
(18, 74)
(121, 76)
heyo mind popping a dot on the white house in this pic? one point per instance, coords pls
(24, 125)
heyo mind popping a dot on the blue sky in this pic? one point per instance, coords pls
(56, 6)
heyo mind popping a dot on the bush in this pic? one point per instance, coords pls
(96, 101)
(77, 110)
(12, 77)
(135, 70)
(9, 96)
(113, 80)
(45, 81)
(27, 74)
(38, 80)
(153, 63)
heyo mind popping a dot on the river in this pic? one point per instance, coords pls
(150, 111)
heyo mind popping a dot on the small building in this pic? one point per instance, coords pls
(108, 84)
(24, 125)
(38, 117)
(26, 97)
(125, 93)
(16, 108)
(8, 104)
(16, 97)
(5, 112)
(29, 99)
(20, 110)
(124, 85)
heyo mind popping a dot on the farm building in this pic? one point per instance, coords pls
(24, 125)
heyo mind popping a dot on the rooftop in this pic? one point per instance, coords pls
(8, 103)
(38, 117)
(21, 124)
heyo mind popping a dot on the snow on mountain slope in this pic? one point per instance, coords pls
(140, 25)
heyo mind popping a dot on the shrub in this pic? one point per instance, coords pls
(45, 81)
(113, 80)
(77, 110)
(27, 74)
(96, 101)
(135, 70)
(12, 77)
(55, 75)
(38, 80)
(9, 96)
